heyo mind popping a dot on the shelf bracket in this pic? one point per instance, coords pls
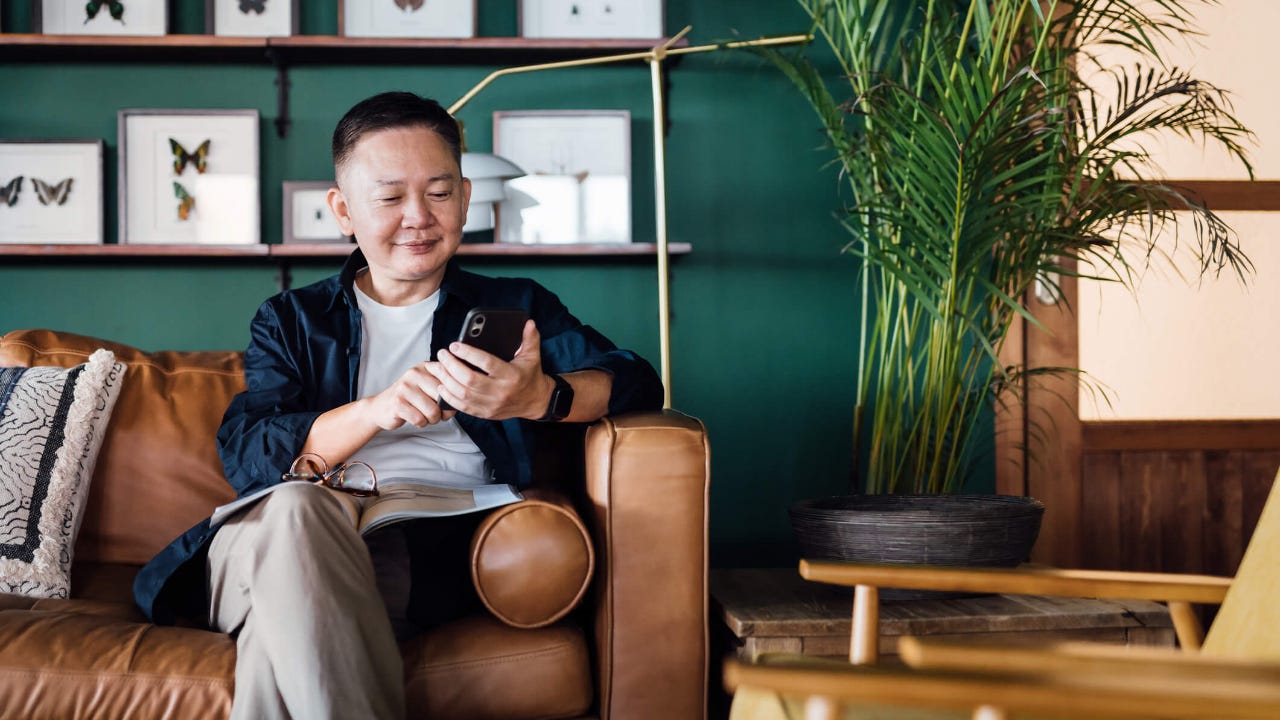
(282, 92)
(284, 276)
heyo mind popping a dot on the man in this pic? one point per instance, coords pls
(355, 367)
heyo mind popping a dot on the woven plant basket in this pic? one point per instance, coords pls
(962, 530)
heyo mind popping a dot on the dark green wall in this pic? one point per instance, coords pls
(764, 309)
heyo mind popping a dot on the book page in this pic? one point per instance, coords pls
(405, 498)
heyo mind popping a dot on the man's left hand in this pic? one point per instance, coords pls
(509, 389)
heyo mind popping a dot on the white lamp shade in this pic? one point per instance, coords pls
(484, 166)
(479, 216)
(488, 174)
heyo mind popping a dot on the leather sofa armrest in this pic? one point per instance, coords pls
(647, 479)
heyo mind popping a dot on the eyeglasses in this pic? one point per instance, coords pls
(354, 477)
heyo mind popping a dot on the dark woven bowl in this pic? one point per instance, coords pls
(961, 530)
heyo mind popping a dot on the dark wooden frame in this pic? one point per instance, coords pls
(100, 205)
(210, 25)
(289, 189)
(342, 21)
(122, 186)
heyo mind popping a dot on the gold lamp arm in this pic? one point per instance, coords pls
(654, 57)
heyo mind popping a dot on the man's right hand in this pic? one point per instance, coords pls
(412, 399)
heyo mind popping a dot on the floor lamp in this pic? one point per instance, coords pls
(654, 58)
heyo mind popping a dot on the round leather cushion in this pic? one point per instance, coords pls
(532, 561)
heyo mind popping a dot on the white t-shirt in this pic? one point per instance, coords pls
(392, 341)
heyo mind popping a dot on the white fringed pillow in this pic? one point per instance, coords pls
(51, 425)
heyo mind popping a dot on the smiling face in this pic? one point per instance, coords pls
(402, 194)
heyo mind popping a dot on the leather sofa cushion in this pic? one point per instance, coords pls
(71, 661)
(480, 669)
(94, 656)
(531, 561)
(158, 472)
(74, 665)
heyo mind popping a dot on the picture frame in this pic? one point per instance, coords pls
(99, 17)
(189, 177)
(307, 218)
(577, 186)
(592, 19)
(407, 18)
(251, 18)
(51, 191)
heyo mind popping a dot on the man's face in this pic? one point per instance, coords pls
(403, 196)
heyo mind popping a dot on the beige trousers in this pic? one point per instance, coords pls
(292, 581)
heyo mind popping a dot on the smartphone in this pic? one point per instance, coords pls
(497, 331)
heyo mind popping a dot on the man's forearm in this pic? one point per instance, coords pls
(339, 433)
(591, 390)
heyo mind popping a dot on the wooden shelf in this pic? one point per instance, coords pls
(581, 250)
(307, 48)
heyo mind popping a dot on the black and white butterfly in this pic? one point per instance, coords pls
(257, 6)
(9, 193)
(52, 194)
(114, 7)
(410, 5)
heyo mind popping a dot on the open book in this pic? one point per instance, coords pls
(398, 499)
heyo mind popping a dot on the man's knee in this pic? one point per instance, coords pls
(301, 503)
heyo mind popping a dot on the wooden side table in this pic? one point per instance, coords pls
(775, 610)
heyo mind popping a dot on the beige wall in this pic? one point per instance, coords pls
(1201, 348)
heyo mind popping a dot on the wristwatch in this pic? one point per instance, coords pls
(561, 401)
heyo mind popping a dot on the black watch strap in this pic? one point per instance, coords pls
(561, 401)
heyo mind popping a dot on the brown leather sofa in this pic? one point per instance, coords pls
(636, 647)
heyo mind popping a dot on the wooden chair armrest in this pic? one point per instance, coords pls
(1080, 658)
(1056, 695)
(1023, 581)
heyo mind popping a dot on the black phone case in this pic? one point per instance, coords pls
(497, 331)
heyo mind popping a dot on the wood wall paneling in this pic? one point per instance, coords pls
(1186, 511)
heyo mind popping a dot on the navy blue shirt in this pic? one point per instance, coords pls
(302, 361)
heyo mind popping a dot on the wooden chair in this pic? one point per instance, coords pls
(1234, 671)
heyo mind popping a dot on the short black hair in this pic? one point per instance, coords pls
(394, 110)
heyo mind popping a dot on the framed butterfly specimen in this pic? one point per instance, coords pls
(635, 19)
(199, 159)
(9, 193)
(100, 17)
(307, 218)
(407, 18)
(251, 18)
(188, 177)
(186, 203)
(51, 191)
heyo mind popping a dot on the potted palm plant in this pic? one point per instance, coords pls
(982, 143)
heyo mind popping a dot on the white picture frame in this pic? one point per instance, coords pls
(251, 18)
(51, 191)
(72, 17)
(307, 217)
(407, 18)
(154, 177)
(594, 19)
(577, 186)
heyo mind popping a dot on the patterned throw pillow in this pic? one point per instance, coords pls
(51, 425)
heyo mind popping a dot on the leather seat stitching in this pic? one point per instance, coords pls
(496, 660)
(149, 678)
